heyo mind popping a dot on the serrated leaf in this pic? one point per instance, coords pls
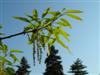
(15, 51)
(74, 16)
(22, 19)
(73, 11)
(66, 23)
(45, 12)
(13, 57)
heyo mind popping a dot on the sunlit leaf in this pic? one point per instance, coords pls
(66, 23)
(51, 42)
(65, 34)
(61, 43)
(55, 13)
(15, 51)
(73, 11)
(74, 16)
(22, 19)
(60, 23)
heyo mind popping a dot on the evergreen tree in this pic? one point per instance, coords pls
(23, 68)
(53, 63)
(78, 68)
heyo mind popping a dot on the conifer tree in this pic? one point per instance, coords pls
(78, 68)
(23, 68)
(53, 63)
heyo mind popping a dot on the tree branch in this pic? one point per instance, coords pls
(17, 34)
(23, 32)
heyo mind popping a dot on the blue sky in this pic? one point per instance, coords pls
(84, 35)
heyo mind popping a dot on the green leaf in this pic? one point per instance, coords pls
(65, 34)
(74, 16)
(2, 58)
(61, 43)
(29, 27)
(31, 17)
(51, 42)
(32, 39)
(9, 62)
(66, 23)
(14, 57)
(10, 70)
(73, 11)
(35, 13)
(5, 48)
(45, 12)
(61, 23)
(55, 13)
(1, 43)
(22, 19)
(15, 51)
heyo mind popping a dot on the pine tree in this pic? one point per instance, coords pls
(78, 68)
(53, 63)
(23, 68)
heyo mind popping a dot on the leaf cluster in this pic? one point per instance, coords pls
(46, 29)
(4, 53)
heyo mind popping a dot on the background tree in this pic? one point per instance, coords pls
(78, 68)
(23, 68)
(53, 63)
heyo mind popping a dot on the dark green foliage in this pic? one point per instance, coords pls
(10, 71)
(78, 68)
(53, 63)
(23, 68)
